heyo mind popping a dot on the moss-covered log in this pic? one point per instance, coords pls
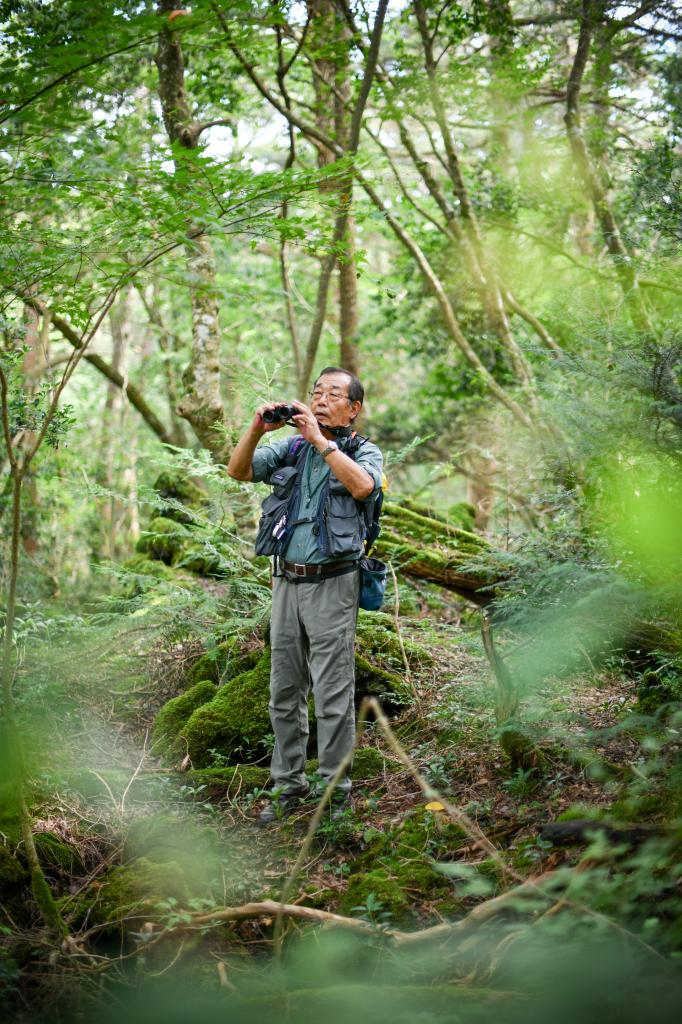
(429, 547)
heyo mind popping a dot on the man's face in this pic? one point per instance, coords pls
(329, 402)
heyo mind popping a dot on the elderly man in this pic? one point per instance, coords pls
(314, 525)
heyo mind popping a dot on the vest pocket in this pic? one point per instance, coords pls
(344, 525)
(283, 480)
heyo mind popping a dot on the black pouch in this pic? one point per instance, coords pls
(274, 514)
(273, 523)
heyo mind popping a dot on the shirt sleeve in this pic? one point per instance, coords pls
(370, 459)
(268, 458)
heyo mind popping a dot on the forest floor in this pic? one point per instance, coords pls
(391, 859)
(155, 846)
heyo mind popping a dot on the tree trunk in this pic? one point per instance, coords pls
(348, 279)
(17, 770)
(166, 341)
(34, 363)
(201, 404)
(110, 506)
(594, 178)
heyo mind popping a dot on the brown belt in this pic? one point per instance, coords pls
(321, 570)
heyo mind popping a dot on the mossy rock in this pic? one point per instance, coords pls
(56, 856)
(369, 763)
(166, 838)
(237, 780)
(203, 558)
(204, 668)
(141, 572)
(379, 640)
(224, 662)
(13, 875)
(175, 490)
(373, 681)
(236, 722)
(164, 540)
(173, 715)
(132, 890)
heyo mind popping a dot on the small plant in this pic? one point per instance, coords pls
(437, 768)
(522, 782)
(372, 910)
(338, 828)
(252, 797)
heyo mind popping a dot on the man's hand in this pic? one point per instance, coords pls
(308, 425)
(239, 467)
(266, 428)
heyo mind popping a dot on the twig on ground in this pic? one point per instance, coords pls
(135, 773)
(396, 620)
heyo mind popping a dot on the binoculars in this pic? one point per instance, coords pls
(280, 413)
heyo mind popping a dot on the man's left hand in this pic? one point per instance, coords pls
(307, 424)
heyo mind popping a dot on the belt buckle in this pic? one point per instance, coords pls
(299, 569)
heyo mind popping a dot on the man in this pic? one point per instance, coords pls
(316, 577)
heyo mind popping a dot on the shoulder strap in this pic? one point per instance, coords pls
(371, 515)
(295, 449)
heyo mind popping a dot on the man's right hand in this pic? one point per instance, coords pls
(240, 465)
(267, 428)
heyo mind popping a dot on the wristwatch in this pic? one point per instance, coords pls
(331, 447)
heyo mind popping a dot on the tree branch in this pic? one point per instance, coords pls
(133, 394)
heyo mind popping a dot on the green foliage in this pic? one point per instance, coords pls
(165, 839)
(582, 559)
(29, 410)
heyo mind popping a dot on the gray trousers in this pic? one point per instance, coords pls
(312, 633)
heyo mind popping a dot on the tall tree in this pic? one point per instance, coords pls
(201, 403)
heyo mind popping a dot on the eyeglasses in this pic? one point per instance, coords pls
(333, 395)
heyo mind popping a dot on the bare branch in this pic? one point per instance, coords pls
(134, 396)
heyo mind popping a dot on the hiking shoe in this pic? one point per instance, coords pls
(281, 807)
